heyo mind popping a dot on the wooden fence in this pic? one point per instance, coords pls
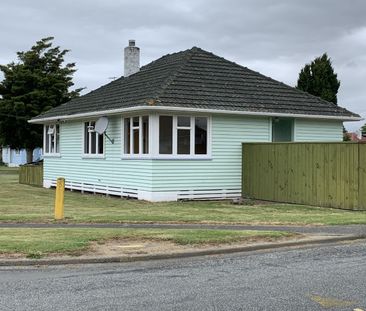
(31, 175)
(321, 174)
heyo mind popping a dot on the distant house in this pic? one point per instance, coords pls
(175, 127)
(356, 136)
(16, 157)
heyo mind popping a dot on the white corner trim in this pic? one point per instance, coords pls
(168, 109)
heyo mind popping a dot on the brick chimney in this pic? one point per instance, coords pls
(132, 59)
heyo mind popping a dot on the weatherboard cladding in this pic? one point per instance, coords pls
(198, 79)
(313, 130)
(223, 171)
(110, 171)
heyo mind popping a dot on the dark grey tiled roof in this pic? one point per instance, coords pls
(198, 79)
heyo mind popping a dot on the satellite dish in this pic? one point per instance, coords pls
(101, 125)
(51, 130)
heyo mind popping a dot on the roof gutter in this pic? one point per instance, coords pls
(180, 109)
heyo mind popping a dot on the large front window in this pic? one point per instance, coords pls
(51, 139)
(166, 136)
(183, 135)
(93, 142)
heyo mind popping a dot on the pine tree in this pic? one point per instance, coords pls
(318, 78)
(38, 81)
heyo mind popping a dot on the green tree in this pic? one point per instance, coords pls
(38, 81)
(318, 78)
(363, 130)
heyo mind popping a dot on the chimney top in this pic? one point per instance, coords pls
(132, 59)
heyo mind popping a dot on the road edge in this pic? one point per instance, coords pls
(220, 251)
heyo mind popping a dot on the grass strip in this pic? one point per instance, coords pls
(31, 242)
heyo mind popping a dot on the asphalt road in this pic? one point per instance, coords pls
(330, 277)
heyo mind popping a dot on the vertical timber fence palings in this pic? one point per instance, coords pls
(31, 175)
(320, 174)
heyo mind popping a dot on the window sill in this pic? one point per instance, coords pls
(93, 156)
(166, 157)
(52, 155)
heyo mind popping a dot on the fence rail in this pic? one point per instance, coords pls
(31, 175)
(321, 174)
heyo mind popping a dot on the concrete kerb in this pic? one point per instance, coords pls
(220, 251)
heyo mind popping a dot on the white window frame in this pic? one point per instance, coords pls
(92, 155)
(293, 129)
(55, 153)
(132, 128)
(154, 138)
(191, 129)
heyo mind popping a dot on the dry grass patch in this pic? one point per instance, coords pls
(36, 243)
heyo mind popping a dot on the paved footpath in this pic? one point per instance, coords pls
(355, 230)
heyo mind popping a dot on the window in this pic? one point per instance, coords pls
(200, 135)
(282, 129)
(165, 135)
(93, 142)
(183, 135)
(136, 135)
(52, 139)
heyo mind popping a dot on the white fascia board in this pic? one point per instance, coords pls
(167, 109)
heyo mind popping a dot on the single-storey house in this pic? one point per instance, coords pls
(174, 127)
(15, 157)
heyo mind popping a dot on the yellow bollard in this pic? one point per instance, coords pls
(59, 200)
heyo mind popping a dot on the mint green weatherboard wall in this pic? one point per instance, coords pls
(315, 130)
(111, 170)
(222, 171)
(228, 132)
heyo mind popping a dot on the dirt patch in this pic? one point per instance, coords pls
(129, 247)
(140, 247)
(11, 256)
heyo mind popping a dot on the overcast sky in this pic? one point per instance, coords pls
(275, 38)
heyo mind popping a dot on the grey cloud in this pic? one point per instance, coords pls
(273, 37)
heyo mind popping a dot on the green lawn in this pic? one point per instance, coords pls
(22, 203)
(38, 242)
